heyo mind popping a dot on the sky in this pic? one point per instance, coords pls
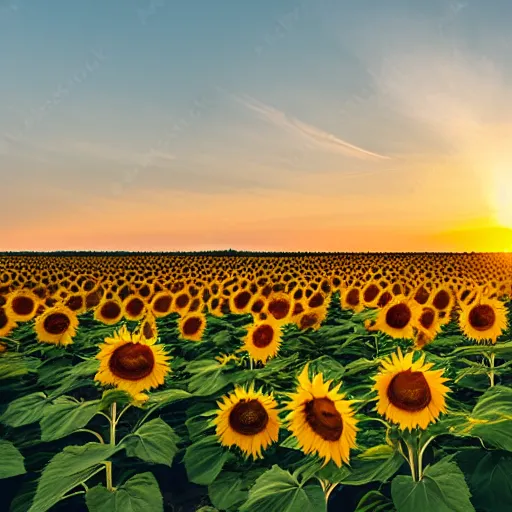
(277, 125)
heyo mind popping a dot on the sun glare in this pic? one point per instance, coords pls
(503, 197)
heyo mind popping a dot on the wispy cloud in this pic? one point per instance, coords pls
(314, 135)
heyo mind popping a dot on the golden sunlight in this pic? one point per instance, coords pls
(502, 200)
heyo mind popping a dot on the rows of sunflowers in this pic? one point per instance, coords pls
(354, 382)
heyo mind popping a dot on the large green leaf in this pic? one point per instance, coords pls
(168, 396)
(374, 501)
(230, 489)
(11, 460)
(207, 377)
(68, 469)
(71, 378)
(489, 475)
(110, 396)
(442, 489)
(278, 490)
(154, 442)
(25, 410)
(140, 493)
(204, 460)
(364, 470)
(491, 419)
(14, 365)
(64, 416)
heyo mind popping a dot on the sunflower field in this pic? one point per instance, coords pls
(256, 383)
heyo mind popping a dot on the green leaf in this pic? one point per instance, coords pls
(168, 396)
(489, 476)
(114, 395)
(227, 491)
(502, 350)
(374, 501)
(442, 489)
(12, 460)
(491, 419)
(140, 493)
(25, 410)
(64, 416)
(67, 470)
(279, 491)
(14, 365)
(70, 378)
(204, 460)
(363, 470)
(230, 489)
(207, 377)
(154, 442)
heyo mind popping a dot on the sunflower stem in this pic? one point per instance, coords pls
(491, 365)
(420, 456)
(93, 433)
(108, 463)
(251, 362)
(121, 413)
(328, 490)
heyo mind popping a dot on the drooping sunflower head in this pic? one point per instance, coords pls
(263, 339)
(428, 323)
(321, 420)
(483, 320)
(132, 362)
(56, 325)
(410, 393)
(247, 419)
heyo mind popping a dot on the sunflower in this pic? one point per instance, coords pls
(370, 294)
(192, 326)
(161, 304)
(263, 339)
(76, 303)
(22, 305)
(311, 319)
(279, 306)
(240, 302)
(132, 362)
(134, 307)
(109, 311)
(322, 420)
(56, 325)
(351, 299)
(247, 419)
(397, 318)
(7, 324)
(410, 394)
(428, 323)
(484, 319)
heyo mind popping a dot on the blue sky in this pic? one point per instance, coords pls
(147, 124)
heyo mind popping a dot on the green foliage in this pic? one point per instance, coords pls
(11, 460)
(154, 442)
(277, 490)
(25, 410)
(140, 493)
(442, 489)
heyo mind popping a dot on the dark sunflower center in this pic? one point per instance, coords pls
(482, 317)
(132, 361)
(427, 318)
(323, 417)
(182, 300)
(384, 298)
(75, 303)
(353, 297)
(257, 306)
(248, 417)
(242, 299)
(421, 296)
(316, 300)
(441, 299)
(308, 320)
(23, 306)
(398, 316)
(279, 308)
(371, 293)
(134, 307)
(163, 304)
(262, 336)
(409, 391)
(3, 318)
(192, 325)
(56, 323)
(110, 310)
(298, 308)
